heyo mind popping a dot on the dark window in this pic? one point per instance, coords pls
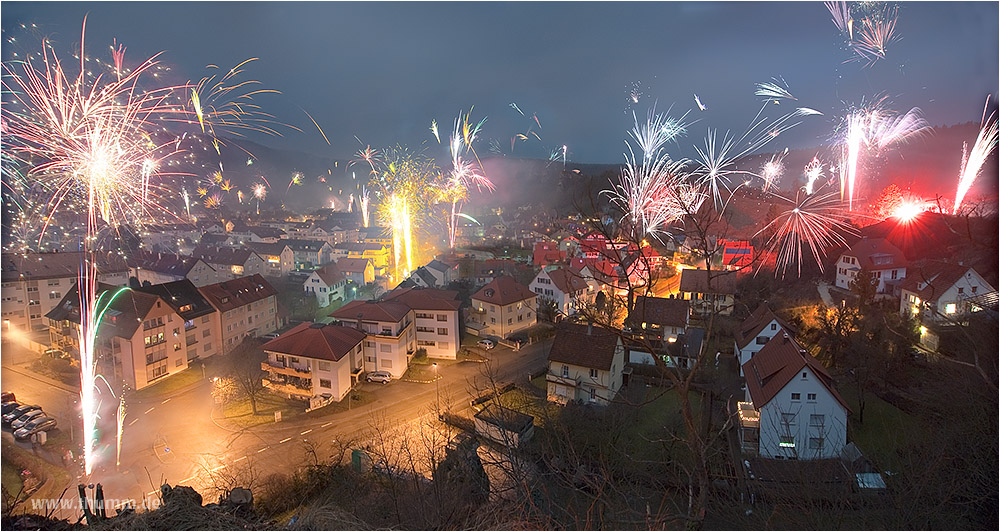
(796, 397)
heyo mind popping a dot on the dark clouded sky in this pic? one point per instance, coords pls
(383, 71)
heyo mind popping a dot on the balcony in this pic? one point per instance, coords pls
(279, 369)
(565, 381)
(288, 389)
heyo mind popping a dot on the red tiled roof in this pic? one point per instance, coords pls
(353, 264)
(776, 364)
(661, 311)
(330, 274)
(318, 341)
(55, 265)
(236, 293)
(583, 345)
(867, 250)
(425, 298)
(723, 282)
(372, 311)
(567, 280)
(934, 278)
(503, 291)
(754, 324)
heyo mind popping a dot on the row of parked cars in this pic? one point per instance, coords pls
(25, 420)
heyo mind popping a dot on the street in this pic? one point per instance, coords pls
(175, 439)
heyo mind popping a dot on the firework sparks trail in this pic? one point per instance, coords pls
(434, 130)
(121, 427)
(701, 106)
(814, 221)
(985, 143)
(778, 90)
(842, 18)
(516, 108)
(463, 173)
(363, 204)
(813, 172)
(317, 126)
(772, 170)
(875, 35)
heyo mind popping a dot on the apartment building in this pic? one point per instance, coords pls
(436, 319)
(391, 337)
(502, 308)
(315, 362)
(246, 306)
(199, 316)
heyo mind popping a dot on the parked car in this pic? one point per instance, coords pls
(34, 426)
(25, 418)
(269, 336)
(379, 376)
(18, 412)
(486, 344)
(8, 406)
(8, 397)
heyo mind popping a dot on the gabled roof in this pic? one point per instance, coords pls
(661, 311)
(425, 298)
(267, 248)
(227, 256)
(567, 280)
(440, 266)
(353, 264)
(123, 317)
(876, 254)
(776, 364)
(167, 263)
(329, 274)
(424, 275)
(303, 245)
(503, 290)
(723, 282)
(317, 341)
(371, 311)
(211, 239)
(754, 324)
(934, 278)
(227, 295)
(181, 294)
(584, 345)
(266, 232)
(16, 266)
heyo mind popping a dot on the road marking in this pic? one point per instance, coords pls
(133, 422)
(165, 400)
(189, 479)
(240, 458)
(148, 411)
(325, 425)
(284, 440)
(223, 466)
(264, 449)
(303, 433)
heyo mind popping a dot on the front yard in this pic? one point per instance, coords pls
(884, 433)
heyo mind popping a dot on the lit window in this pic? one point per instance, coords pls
(949, 308)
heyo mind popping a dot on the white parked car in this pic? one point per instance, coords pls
(486, 344)
(379, 376)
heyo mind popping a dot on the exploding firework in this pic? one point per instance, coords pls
(985, 143)
(772, 170)
(813, 221)
(774, 92)
(813, 172)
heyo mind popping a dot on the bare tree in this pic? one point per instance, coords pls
(243, 365)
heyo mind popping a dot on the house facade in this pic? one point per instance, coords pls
(309, 254)
(246, 306)
(502, 308)
(755, 332)
(792, 409)
(585, 364)
(199, 316)
(436, 318)
(360, 271)
(566, 287)
(876, 255)
(938, 291)
(232, 262)
(314, 362)
(327, 284)
(159, 268)
(391, 340)
(279, 260)
(718, 296)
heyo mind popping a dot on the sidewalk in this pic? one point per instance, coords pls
(27, 372)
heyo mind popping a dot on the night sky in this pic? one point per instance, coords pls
(383, 71)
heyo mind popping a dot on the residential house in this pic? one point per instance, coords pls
(279, 259)
(391, 340)
(247, 306)
(315, 362)
(792, 408)
(546, 253)
(756, 331)
(261, 234)
(377, 253)
(217, 239)
(444, 272)
(376, 235)
(565, 287)
(487, 271)
(503, 425)
(235, 262)
(653, 326)
(940, 294)
(172, 237)
(327, 284)
(139, 341)
(585, 364)
(436, 319)
(34, 283)
(876, 255)
(420, 277)
(309, 254)
(357, 270)
(201, 321)
(159, 268)
(719, 295)
(502, 307)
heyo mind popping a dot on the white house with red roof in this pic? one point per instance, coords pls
(876, 255)
(936, 291)
(756, 331)
(567, 287)
(792, 409)
(327, 284)
(502, 307)
(585, 364)
(391, 340)
(314, 361)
